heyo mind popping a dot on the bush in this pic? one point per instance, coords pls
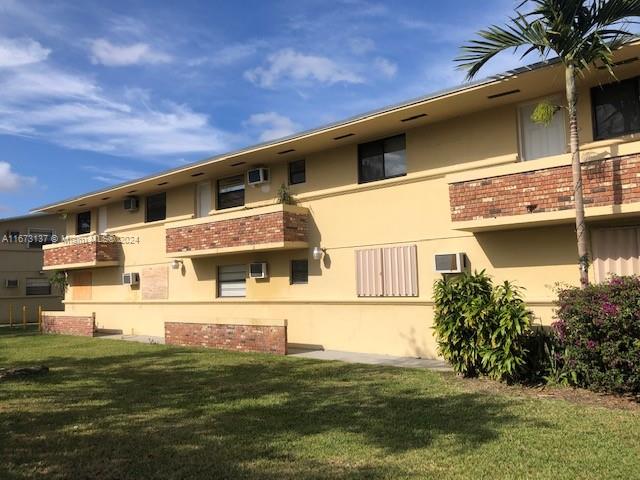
(599, 328)
(480, 328)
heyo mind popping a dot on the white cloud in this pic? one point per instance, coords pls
(15, 52)
(75, 112)
(288, 64)
(272, 124)
(384, 66)
(11, 181)
(106, 53)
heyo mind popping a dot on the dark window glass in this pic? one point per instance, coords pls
(83, 223)
(13, 236)
(38, 286)
(299, 271)
(297, 172)
(616, 109)
(382, 159)
(37, 237)
(231, 192)
(156, 207)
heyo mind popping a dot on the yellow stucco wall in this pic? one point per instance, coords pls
(18, 262)
(345, 216)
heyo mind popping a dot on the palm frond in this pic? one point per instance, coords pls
(579, 32)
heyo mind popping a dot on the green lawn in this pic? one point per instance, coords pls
(116, 410)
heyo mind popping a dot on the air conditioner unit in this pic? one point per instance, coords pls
(130, 278)
(11, 283)
(258, 176)
(258, 270)
(131, 204)
(450, 262)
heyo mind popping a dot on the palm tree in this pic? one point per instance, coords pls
(581, 33)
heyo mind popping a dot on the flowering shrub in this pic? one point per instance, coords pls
(599, 329)
(480, 328)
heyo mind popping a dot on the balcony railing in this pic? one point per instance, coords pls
(82, 252)
(274, 227)
(611, 186)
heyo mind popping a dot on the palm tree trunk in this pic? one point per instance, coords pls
(581, 230)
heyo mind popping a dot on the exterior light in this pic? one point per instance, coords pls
(317, 253)
(176, 264)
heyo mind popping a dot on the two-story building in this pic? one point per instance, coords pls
(215, 259)
(24, 285)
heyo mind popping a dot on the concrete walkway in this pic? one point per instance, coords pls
(373, 359)
(131, 338)
(349, 357)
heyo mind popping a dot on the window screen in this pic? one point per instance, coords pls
(156, 207)
(382, 159)
(616, 109)
(232, 281)
(83, 223)
(38, 286)
(299, 271)
(231, 192)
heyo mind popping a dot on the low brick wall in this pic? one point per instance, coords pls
(241, 338)
(83, 326)
(84, 252)
(612, 181)
(253, 230)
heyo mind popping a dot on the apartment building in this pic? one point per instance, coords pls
(24, 285)
(385, 204)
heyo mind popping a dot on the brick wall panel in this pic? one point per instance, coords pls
(612, 181)
(253, 230)
(81, 253)
(83, 326)
(241, 338)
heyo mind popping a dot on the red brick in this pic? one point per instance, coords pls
(69, 325)
(241, 338)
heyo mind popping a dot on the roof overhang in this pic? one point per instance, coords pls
(522, 84)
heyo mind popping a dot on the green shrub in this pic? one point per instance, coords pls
(599, 328)
(480, 328)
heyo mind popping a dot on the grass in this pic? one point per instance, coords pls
(113, 410)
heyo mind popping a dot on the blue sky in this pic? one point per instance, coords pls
(96, 93)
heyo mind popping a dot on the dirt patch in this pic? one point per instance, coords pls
(573, 395)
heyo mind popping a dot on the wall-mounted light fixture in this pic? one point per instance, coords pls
(177, 264)
(318, 252)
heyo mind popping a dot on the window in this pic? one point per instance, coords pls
(156, 207)
(39, 236)
(538, 140)
(232, 281)
(299, 271)
(297, 172)
(203, 199)
(382, 159)
(231, 192)
(38, 286)
(387, 272)
(616, 109)
(83, 223)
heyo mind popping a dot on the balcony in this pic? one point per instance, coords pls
(274, 227)
(79, 252)
(521, 195)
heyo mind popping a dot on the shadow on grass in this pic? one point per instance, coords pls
(175, 413)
